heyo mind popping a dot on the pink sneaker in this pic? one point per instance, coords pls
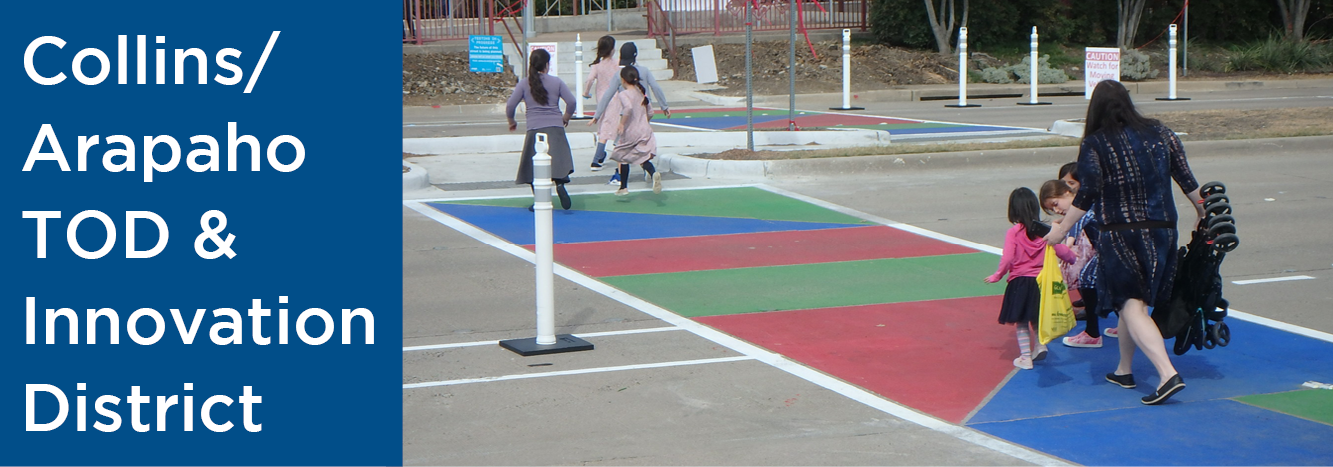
(1082, 340)
(1111, 332)
(1023, 362)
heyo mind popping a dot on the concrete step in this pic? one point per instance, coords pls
(568, 77)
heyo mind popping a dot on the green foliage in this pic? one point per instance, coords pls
(902, 23)
(1136, 66)
(1020, 72)
(1279, 55)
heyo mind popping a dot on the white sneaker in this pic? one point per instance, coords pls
(657, 182)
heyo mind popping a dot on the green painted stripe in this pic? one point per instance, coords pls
(743, 202)
(1310, 404)
(804, 286)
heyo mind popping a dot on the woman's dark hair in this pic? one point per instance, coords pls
(631, 75)
(1052, 189)
(606, 45)
(537, 61)
(1024, 209)
(1070, 169)
(1112, 110)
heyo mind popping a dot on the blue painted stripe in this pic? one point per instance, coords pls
(1260, 360)
(516, 224)
(1215, 432)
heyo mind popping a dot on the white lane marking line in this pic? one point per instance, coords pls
(576, 372)
(1272, 279)
(684, 127)
(262, 59)
(581, 336)
(1275, 324)
(888, 222)
(759, 353)
(476, 198)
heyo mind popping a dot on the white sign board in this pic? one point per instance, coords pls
(705, 65)
(550, 48)
(1099, 64)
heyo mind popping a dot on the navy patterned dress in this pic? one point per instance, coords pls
(1126, 176)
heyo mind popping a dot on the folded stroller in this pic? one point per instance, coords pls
(1196, 310)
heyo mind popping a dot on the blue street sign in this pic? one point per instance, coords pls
(485, 54)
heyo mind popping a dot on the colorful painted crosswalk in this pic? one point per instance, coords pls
(908, 317)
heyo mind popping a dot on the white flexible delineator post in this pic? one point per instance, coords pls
(1034, 74)
(1171, 65)
(962, 71)
(578, 75)
(846, 73)
(544, 242)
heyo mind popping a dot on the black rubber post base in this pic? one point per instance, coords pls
(1034, 103)
(563, 343)
(962, 105)
(846, 108)
(1170, 99)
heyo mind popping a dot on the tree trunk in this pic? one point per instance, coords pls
(1293, 14)
(1130, 11)
(942, 30)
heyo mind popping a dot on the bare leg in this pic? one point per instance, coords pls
(1143, 331)
(1127, 348)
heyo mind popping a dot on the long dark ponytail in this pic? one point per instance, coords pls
(631, 75)
(537, 61)
(606, 45)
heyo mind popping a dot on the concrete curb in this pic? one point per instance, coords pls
(860, 165)
(665, 140)
(415, 178)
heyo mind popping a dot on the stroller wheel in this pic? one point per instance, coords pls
(1214, 199)
(1211, 188)
(1224, 218)
(1218, 209)
(1209, 338)
(1226, 242)
(1221, 333)
(1219, 228)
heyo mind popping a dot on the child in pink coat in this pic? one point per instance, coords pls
(1024, 255)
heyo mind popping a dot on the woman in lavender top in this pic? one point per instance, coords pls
(541, 94)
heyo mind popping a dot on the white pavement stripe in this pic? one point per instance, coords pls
(576, 372)
(581, 336)
(1275, 324)
(891, 223)
(1271, 279)
(764, 355)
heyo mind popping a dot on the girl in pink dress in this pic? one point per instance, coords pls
(604, 73)
(635, 143)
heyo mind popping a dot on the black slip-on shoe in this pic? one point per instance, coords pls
(1172, 386)
(564, 196)
(1125, 381)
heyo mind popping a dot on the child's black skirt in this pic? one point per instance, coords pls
(1021, 298)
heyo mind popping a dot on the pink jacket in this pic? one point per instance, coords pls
(1024, 257)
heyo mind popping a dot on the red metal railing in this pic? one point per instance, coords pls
(658, 20)
(728, 16)
(434, 20)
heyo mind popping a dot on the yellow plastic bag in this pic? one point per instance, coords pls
(1056, 313)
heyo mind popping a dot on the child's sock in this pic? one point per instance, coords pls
(624, 175)
(648, 167)
(1024, 340)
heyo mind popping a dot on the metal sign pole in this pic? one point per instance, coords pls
(546, 342)
(749, 72)
(791, 66)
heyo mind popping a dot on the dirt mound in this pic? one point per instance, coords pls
(443, 78)
(874, 66)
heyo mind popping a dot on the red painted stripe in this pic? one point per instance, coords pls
(942, 357)
(702, 253)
